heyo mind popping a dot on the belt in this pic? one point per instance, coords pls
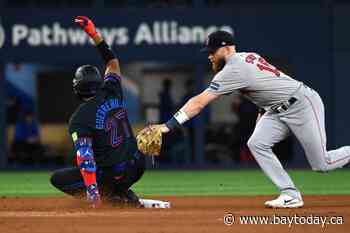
(283, 107)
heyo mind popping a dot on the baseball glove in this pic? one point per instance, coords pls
(149, 140)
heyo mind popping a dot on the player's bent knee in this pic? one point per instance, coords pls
(256, 145)
(55, 180)
(251, 144)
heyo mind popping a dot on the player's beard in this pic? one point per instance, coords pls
(218, 65)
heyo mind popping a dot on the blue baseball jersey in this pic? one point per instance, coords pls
(104, 119)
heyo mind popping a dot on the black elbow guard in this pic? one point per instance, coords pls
(105, 51)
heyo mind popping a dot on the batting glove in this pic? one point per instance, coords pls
(87, 25)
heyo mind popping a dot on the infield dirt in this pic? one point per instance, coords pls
(188, 214)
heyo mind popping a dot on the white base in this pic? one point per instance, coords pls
(147, 203)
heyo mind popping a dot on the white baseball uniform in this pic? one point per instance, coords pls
(268, 87)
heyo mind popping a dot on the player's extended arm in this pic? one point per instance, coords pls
(149, 140)
(87, 166)
(192, 107)
(112, 63)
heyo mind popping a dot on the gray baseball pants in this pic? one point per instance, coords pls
(306, 120)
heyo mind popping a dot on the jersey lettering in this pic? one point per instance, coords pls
(262, 64)
(117, 128)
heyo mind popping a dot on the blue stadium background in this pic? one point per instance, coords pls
(312, 37)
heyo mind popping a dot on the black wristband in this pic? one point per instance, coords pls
(105, 51)
(173, 124)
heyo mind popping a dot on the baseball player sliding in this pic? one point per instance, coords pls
(108, 161)
(289, 105)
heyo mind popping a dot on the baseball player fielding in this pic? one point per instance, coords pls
(287, 106)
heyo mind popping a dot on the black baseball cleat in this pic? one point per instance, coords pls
(125, 199)
(132, 197)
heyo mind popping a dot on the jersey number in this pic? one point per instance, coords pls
(118, 128)
(262, 64)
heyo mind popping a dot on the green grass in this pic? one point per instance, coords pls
(191, 183)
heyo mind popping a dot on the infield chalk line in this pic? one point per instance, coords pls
(59, 214)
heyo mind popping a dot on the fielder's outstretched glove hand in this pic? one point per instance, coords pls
(149, 140)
